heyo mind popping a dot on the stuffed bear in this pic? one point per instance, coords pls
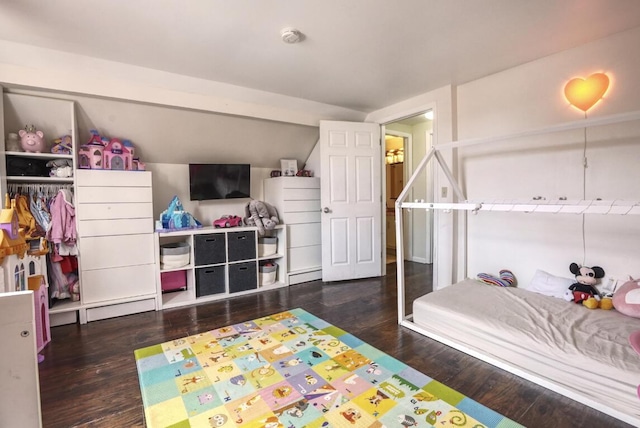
(261, 215)
(584, 287)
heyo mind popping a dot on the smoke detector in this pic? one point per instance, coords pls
(291, 35)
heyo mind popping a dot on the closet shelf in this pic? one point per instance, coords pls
(39, 155)
(29, 179)
(596, 206)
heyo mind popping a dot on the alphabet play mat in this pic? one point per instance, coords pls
(292, 369)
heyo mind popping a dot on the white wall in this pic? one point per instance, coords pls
(531, 96)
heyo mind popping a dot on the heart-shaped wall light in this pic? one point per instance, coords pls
(584, 93)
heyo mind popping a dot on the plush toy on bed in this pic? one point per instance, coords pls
(584, 290)
(626, 299)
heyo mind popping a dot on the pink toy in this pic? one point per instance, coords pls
(117, 156)
(38, 284)
(626, 299)
(32, 140)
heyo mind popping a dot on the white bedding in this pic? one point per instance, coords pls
(586, 352)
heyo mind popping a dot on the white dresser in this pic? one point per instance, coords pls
(114, 212)
(297, 200)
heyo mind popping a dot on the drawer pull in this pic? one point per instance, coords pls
(211, 239)
(243, 268)
(241, 237)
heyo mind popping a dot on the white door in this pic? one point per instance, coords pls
(351, 200)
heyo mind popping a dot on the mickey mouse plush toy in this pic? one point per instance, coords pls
(583, 288)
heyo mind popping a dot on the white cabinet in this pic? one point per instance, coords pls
(114, 213)
(297, 200)
(20, 398)
(221, 263)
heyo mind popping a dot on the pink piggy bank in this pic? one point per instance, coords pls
(32, 140)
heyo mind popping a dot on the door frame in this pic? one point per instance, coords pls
(407, 220)
(432, 140)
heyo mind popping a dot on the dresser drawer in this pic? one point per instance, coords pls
(101, 194)
(303, 235)
(129, 226)
(301, 194)
(305, 258)
(101, 285)
(301, 206)
(101, 252)
(110, 211)
(301, 217)
(109, 178)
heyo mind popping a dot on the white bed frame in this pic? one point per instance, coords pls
(559, 206)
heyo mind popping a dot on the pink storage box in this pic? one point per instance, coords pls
(175, 280)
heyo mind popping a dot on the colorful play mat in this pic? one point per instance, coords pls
(292, 369)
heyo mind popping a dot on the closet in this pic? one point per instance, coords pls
(115, 264)
(28, 174)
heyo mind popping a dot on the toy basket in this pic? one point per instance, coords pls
(267, 246)
(174, 255)
(267, 274)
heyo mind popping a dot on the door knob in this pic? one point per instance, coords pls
(326, 210)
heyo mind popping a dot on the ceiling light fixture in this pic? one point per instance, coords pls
(291, 35)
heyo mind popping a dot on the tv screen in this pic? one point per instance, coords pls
(219, 181)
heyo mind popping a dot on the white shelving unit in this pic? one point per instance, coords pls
(216, 270)
(55, 118)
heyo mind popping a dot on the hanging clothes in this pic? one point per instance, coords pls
(26, 220)
(62, 229)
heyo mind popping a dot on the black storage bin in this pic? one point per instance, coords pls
(209, 249)
(242, 277)
(242, 246)
(210, 280)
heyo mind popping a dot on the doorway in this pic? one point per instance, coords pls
(406, 143)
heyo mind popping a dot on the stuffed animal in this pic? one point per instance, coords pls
(584, 287)
(60, 168)
(32, 140)
(626, 299)
(261, 215)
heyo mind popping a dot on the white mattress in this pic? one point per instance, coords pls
(584, 351)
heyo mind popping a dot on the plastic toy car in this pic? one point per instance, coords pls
(228, 221)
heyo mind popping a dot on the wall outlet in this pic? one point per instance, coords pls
(444, 191)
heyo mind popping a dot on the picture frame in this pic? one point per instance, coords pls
(289, 167)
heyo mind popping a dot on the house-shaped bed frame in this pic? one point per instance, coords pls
(544, 206)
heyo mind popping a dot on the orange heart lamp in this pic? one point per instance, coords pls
(584, 93)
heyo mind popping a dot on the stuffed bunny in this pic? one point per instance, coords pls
(261, 215)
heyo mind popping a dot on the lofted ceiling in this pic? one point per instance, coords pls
(362, 55)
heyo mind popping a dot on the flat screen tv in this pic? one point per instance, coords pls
(219, 181)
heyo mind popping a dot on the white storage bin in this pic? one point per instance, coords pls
(174, 255)
(267, 246)
(267, 274)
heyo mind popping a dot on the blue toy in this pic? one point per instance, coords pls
(176, 218)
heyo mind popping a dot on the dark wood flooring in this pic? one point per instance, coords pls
(89, 378)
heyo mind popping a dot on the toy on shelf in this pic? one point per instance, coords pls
(62, 145)
(117, 156)
(60, 168)
(228, 221)
(102, 152)
(176, 218)
(32, 140)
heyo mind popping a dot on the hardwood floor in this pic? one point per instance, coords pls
(89, 377)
